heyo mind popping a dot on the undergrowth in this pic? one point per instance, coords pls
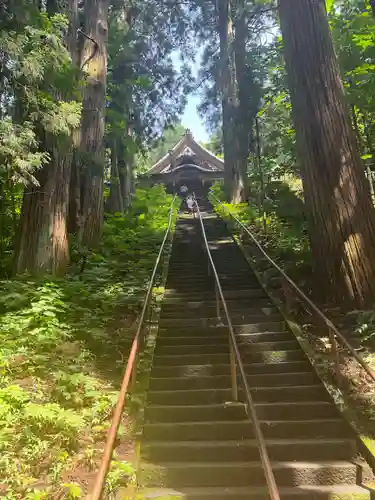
(64, 343)
(281, 230)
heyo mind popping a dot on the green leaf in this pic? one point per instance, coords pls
(49, 313)
(74, 490)
(329, 5)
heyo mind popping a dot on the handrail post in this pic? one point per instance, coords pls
(233, 371)
(217, 298)
(336, 356)
(286, 293)
(133, 380)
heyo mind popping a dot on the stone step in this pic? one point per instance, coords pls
(208, 284)
(243, 429)
(263, 326)
(236, 318)
(247, 357)
(171, 294)
(210, 369)
(223, 339)
(221, 348)
(211, 311)
(292, 411)
(264, 301)
(224, 381)
(341, 492)
(259, 394)
(263, 338)
(203, 474)
(206, 287)
(202, 276)
(235, 304)
(247, 450)
(183, 255)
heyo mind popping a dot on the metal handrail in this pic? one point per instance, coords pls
(331, 327)
(131, 363)
(235, 353)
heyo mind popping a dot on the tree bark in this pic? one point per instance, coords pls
(126, 181)
(126, 166)
(42, 239)
(42, 243)
(74, 212)
(94, 63)
(245, 115)
(115, 202)
(338, 204)
(234, 181)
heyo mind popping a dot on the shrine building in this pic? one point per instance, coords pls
(186, 163)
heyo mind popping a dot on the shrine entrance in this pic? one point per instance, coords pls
(186, 163)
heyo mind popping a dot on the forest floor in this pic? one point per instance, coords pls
(64, 345)
(283, 234)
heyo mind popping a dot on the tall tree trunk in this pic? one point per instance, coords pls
(126, 165)
(94, 63)
(74, 212)
(245, 116)
(115, 202)
(126, 181)
(338, 204)
(262, 190)
(234, 181)
(129, 184)
(42, 242)
(42, 239)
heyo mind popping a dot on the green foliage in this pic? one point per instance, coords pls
(146, 90)
(18, 156)
(281, 230)
(38, 85)
(329, 5)
(353, 30)
(366, 327)
(62, 354)
(277, 135)
(120, 474)
(28, 56)
(161, 147)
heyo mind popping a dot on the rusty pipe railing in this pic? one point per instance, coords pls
(129, 371)
(237, 360)
(333, 333)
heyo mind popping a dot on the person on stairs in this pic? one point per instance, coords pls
(183, 193)
(190, 202)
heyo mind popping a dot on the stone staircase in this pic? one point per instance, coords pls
(197, 444)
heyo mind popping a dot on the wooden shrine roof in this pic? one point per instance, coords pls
(187, 153)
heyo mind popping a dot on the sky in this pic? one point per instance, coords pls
(191, 119)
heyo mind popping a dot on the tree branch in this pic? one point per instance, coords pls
(259, 12)
(96, 47)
